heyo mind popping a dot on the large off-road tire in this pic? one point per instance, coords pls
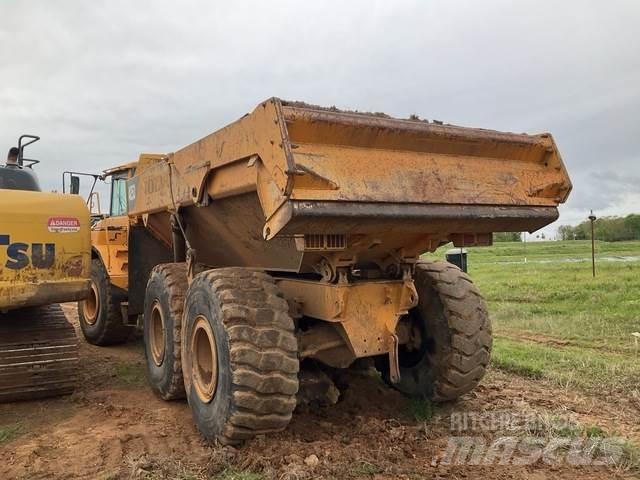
(239, 355)
(163, 306)
(101, 315)
(454, 332)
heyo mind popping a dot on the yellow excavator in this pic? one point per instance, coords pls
(45, 251)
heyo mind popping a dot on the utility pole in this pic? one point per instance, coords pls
(592, 218)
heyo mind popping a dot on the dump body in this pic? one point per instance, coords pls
(289, 180)
(45, 248)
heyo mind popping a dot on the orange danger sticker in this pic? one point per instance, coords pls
(64, 224)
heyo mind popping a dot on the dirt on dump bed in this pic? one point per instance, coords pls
(114, 427)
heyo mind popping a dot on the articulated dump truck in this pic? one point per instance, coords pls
(45, 249)
(291, 240)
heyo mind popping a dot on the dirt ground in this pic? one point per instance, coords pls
(114, 427)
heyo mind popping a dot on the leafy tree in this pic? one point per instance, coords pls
(566, 232)
(632, 223)
(609, 229)
(507, 237)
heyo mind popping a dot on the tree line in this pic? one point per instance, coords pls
(609, 229)
(507, 237)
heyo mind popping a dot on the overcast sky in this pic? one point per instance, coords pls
(101, 82)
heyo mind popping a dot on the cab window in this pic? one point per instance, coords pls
(118, 196)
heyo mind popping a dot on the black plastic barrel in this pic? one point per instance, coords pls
(457, 256)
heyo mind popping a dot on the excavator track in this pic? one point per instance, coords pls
(38, 354)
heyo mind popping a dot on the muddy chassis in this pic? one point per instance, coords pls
(232, 340)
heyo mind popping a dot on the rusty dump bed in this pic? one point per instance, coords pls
(289, 179)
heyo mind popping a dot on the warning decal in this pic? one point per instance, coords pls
(64, 224)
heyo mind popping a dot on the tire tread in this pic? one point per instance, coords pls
(114, 330)
(468, 320)
(174, 277)
(263, 352)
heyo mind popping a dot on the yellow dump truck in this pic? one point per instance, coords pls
(293, 237)
(44, 260)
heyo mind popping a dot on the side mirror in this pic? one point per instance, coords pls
(75, 185)
(94, 204)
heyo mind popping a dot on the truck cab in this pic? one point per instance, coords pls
(103, 316)
(109, 234)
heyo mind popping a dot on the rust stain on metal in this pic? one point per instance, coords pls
(350, 200)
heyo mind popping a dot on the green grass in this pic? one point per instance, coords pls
(550, 426)
(550, 250)
(367, 468)
(624, 454)
(130, 374)
(230, 474)
(189, 476)
(567, 366)
(553, 320)
(565, 301)
(8, 433)
(630, 456)
(594, 431)
(420, 410)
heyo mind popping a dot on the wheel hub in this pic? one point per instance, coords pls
(91, 305)
(204, 366)
(413, 339)
(157, 334)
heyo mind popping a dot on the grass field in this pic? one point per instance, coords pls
(553, 320)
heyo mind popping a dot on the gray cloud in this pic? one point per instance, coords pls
(102, 82)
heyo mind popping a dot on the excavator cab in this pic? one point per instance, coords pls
(20, 176)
